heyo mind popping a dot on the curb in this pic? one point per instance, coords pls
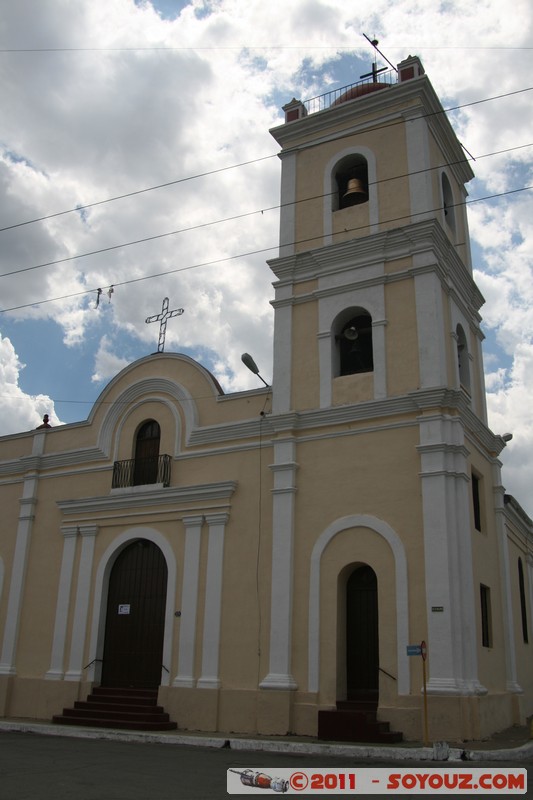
(439, 752)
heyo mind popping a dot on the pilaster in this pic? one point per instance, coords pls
(284, 470)
(213, 601)
(70, 534)
(448, 557)
(28, 501)
(189, 602)
(505, 583)
(81, 608)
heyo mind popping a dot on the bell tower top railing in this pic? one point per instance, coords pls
(408, 69)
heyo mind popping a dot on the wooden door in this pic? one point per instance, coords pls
(135, 619)
(362, 640)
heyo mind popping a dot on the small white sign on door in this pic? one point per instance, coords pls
(124, 608)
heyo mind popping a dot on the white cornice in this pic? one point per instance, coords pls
(150, 498)
(424, 240)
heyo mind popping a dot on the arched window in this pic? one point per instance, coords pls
(462, 358)
(447, 202)
(353, 341)
(349, 182)
(147, 453)
(523, 608)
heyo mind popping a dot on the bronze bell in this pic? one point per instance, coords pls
(355, 193)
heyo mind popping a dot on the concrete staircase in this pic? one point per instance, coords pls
(127, 709)
(355, 721)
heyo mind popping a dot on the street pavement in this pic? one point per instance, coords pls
(40, 761)
(36, 766)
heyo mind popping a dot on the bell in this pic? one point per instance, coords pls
(355, 193)
(351, 333)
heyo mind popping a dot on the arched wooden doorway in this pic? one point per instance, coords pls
(362, 637)
(135, 621)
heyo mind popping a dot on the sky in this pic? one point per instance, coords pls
(135, 153)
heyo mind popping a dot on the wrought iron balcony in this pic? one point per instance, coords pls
(141, 471)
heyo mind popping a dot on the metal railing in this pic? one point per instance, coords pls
(141, 471)
(324, 101)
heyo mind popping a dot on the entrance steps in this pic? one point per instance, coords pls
(355, 721)
(127, 709)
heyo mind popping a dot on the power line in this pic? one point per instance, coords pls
(79, 208)
(256, 252)
(243, 215)
(207, 48)
(139, 191)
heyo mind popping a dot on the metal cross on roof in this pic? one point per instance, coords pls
(163, 318)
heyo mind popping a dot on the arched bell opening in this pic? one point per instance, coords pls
(353, 342)
(463, 358)
(350, 182)
(448, 204)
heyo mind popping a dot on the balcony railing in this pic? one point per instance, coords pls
(141, 471)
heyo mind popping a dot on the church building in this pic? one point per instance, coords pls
(332, 556)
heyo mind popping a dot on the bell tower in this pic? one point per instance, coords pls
(381, 448)
(375, 297)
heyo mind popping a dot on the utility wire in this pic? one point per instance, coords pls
(236, 217)
(243, 164)
(258, 252)
(245, 47)
(139, 191)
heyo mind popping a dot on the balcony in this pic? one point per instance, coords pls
(141, 472)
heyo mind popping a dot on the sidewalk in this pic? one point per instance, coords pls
(513, 744)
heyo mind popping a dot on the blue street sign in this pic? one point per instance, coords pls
(414, 650)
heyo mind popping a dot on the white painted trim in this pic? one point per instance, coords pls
(431, 332)
(507, 606)
(419, 165)
(132, 408)
(20, 561)
(101, 585)
(448, 557)
(56, 670)
(189, 602)
(402, 603)
(282, 577)
(144, 391)
(81, 608)
(213, 602)
(282, 362)
(151, 498)
(287, 225)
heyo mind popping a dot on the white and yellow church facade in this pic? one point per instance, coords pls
(274, 553)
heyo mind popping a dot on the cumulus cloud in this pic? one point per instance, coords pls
(20, 411)
(106, 363)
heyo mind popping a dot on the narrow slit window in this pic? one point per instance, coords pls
(476, 502)
(523, 607)
(486, 617)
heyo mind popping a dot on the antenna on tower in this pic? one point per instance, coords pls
(374, 42)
